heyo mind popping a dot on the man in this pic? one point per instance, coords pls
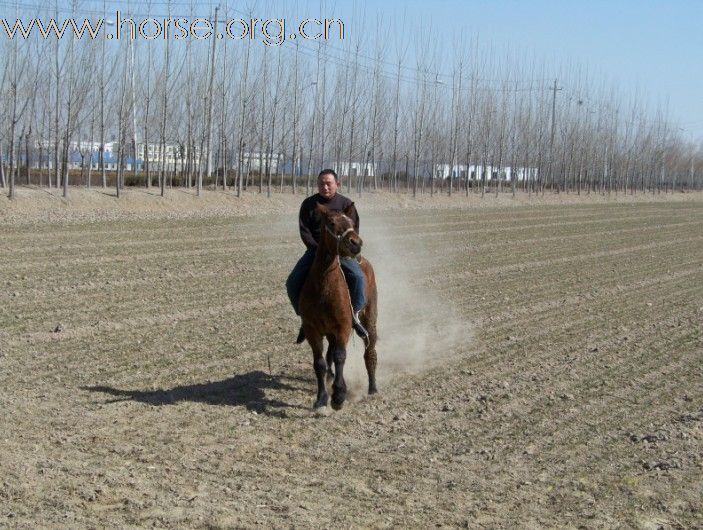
(309, 223)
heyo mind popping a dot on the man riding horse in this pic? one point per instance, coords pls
(309, 224)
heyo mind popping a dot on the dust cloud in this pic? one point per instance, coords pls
(417, 327)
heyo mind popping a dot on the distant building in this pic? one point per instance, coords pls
(260, 162)
(479, 172)
(355, 169)
(174, 155)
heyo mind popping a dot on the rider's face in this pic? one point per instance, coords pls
(327, 185)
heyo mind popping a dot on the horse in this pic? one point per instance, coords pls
(325, 306)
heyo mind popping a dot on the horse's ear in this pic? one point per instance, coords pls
(322, 209)
(350, 210)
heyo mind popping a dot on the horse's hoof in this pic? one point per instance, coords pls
(321, 412)
(321, 402)
(373, 390)
(337, 403)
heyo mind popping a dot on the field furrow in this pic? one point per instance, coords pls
(539, 366)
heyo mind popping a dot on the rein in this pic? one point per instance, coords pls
(339, 238)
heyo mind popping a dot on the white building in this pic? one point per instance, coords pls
(477, 172)
(85, 145)
(355, 169)
(259, 162)
(173, 154)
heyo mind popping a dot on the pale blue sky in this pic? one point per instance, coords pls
(655, 46)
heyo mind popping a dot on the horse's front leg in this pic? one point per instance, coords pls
(331, 339)
(320, 369)
(339, 387)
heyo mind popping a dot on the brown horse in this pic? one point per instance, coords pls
(325, 305)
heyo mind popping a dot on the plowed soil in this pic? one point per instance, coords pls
(540, 365)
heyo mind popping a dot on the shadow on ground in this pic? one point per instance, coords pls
(245, 390)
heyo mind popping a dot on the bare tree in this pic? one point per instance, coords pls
(76, 92)
(353, 106)
(18, 76)
(243, 104)
(210, 102)
(274, 114)
(166, 74)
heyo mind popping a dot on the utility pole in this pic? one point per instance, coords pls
(554, 109)
(551, 138)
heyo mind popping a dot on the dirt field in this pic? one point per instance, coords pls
(540, 365)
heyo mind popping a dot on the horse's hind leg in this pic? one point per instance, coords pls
(370, 360)
(320, 368)
(370, 353)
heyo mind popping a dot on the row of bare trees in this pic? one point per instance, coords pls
(237, 114)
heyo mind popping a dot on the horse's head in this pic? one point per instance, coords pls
(337, 231)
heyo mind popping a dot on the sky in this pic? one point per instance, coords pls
(654, 47)
(650, 47)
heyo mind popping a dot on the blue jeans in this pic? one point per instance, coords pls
(352, 272)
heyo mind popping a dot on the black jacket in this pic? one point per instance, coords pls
(309, 219)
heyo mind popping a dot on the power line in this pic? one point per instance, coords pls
(331, 55)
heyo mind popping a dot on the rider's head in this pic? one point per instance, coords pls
(327, 183)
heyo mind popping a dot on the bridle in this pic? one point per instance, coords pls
(338, 237)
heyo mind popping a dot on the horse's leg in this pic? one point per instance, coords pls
(339, 387)
(320, 368)
(369, 317)
(330, 357)
(370, 353)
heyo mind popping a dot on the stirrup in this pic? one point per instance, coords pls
(301, 336)
(358, 327)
